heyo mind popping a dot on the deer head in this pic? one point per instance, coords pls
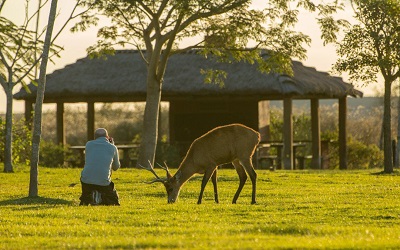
(171, 183)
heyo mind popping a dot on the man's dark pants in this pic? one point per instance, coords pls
(109, 195)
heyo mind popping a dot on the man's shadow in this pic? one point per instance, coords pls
(35, 201)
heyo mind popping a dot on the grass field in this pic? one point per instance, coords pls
(295, 209)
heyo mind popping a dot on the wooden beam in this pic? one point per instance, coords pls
(60, 124)
(315, 134)
(90, 121)
(287, 134)
(342, 133)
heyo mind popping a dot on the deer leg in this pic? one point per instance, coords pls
(206, 177)
(242, 178)
(214, 181)
(253, 177)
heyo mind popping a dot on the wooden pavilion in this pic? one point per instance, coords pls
(196, 107)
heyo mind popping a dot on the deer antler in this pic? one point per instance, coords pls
(151, 169)
(166, 169)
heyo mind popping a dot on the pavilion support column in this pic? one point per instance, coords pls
(90, 121)
(315, 134)
(287, 134)
(28, 113)
(60, 124)
(264, 120)
(342, 133)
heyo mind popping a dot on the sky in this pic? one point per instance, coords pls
(318, 56)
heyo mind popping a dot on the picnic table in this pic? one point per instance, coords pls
(264, 148)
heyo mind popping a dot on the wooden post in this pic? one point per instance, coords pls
(287, 134)
(342, 133)
(264, 120)
(90, 121)
(28, 113)
(60, 124)
(315, 134)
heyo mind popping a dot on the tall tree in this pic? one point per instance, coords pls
(225, 28)
(41, 82)
(372, 47)
(37, 121)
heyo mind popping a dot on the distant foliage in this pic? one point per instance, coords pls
(51, 154)
(301, 126)
(124, 124)
(363, 128)
(362, 156)
(365, 125)
(21, 144)
(168, 153)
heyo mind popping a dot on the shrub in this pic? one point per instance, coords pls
(359, 154)
(362, 156)
(53, 155)
(21, 144)
(168, 153)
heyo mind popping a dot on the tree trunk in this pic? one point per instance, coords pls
(8, 167)
(387, 129)
(396, 165)
(37, 122)
(150, 121)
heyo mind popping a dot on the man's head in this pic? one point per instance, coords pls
(100, 132)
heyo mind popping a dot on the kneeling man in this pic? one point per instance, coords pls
(101, 158)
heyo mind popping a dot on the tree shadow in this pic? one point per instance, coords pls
(35, 201)
(395, 172)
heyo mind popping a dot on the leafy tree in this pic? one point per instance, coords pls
(41, 83)
(19, 55)
(372, 47)
(37, 125)
(225, 28)
(16, 62)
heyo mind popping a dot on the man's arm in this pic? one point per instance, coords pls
(116, 164)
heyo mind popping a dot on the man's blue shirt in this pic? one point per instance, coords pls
(101, 157)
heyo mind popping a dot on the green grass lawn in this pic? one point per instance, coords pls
(295, 209)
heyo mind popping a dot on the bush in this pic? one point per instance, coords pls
(361, 156)
(21, 144)
(53, 155)
(169, 154)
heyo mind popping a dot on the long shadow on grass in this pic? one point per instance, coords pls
(35, 201)
(395, 172)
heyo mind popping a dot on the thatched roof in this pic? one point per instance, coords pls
(123, 78)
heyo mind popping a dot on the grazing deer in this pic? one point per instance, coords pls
(233, 143)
